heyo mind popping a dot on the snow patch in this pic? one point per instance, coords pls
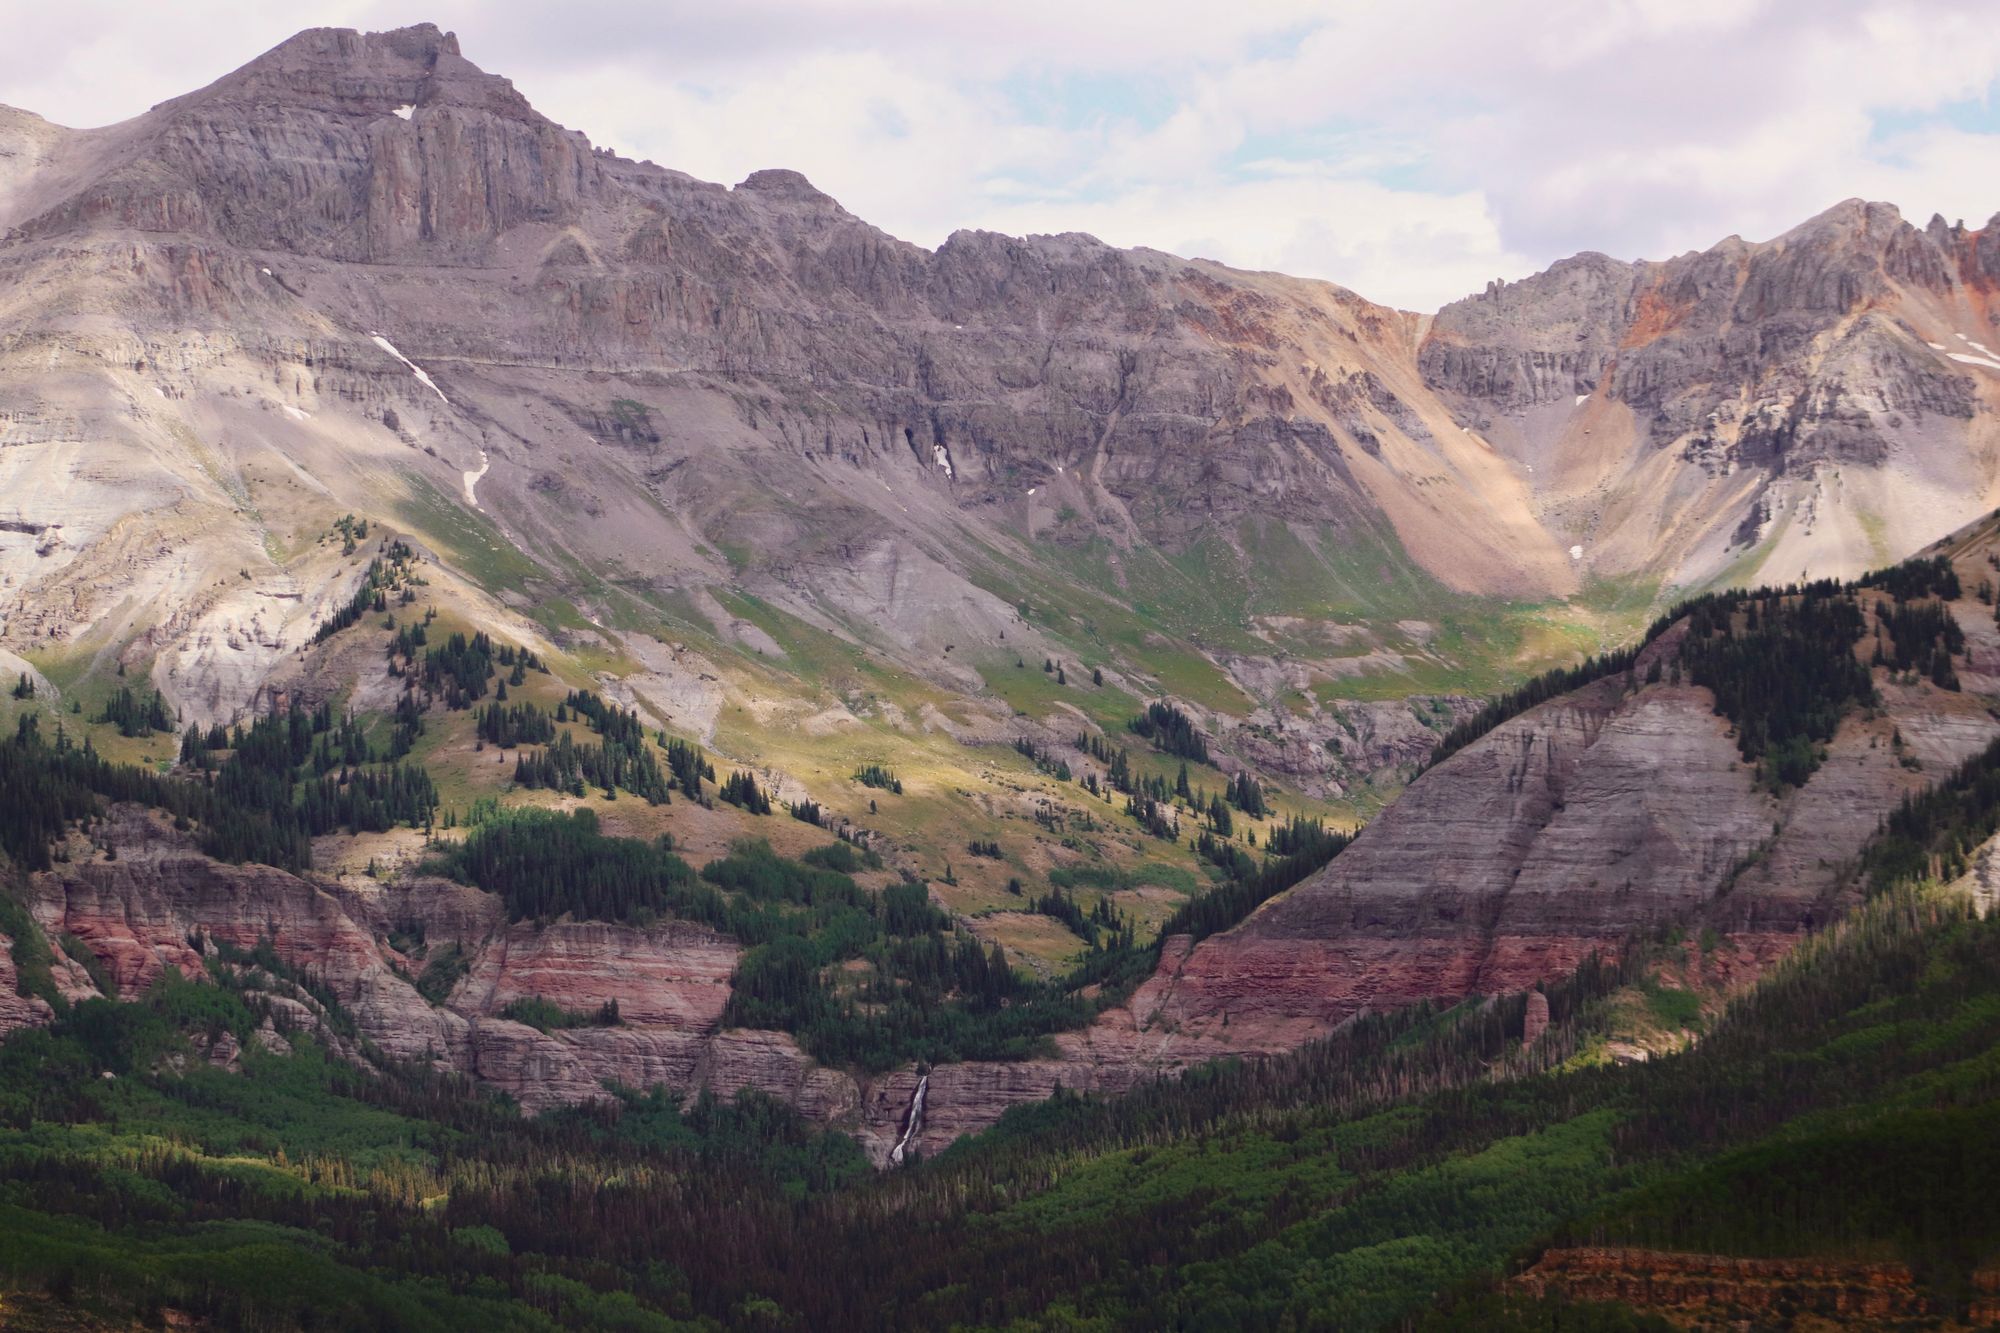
(294, 413)
(943, 459)
(1935, 347)
(1986, 361)
(1582, 398)
(415, 369)
(472, 478)
(403, 112)
(1576, 553)
(267, 272)
(1031, 490)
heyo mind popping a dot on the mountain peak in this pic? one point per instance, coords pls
(345, 70)
(782, 182)
(1849, 216)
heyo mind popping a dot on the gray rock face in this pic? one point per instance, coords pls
(224, 306)
(1524, 343)
(359, 273)
(1741, 382)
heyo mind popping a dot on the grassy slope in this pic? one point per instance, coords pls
(1159, 622)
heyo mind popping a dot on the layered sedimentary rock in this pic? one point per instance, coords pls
(160, 903)
(360, 266)
(1602, 814)
(1819, 401)
(361, 274)
(1700, 1288)
(1568, 830)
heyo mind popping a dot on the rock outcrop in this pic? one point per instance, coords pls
(1703, 1289)
(1566, 831)
(361, 274)
(1807, 401)
(1604, 813)
(160, 903)
(361, 258)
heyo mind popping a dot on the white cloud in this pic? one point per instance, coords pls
(1428, 248)
(1409, 151)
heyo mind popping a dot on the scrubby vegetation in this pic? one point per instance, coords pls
(1780, 661)
(879, 776)
(549, 1016)
(924, 991)
(306, 1193)
(137, 714)
(1782, 668)
(387, 573)
(283, 783)
(1934, 833)
(740, 789)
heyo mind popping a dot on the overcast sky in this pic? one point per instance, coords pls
(1410, 149)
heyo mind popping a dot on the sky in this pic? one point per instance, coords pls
(1409, 149)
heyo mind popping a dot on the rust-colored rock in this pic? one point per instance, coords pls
(1553, 837)
(1536, 1020)
(1708, 1287)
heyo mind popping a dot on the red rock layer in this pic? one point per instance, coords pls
(1707, 1286)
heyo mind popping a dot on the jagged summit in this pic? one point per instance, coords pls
(340, 69)
(826, 399)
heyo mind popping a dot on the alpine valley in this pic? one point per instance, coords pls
(585, 748)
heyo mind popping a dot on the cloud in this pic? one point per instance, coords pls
(1408, 151)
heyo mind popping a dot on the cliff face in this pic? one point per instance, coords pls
(1789, 401)
(160, 903)
(1562, 832)
(360, 271)
(1609, 811)
(1699, 1289)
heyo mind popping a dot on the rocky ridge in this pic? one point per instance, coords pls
(363, 274)
(360, 269)
(1781, 406)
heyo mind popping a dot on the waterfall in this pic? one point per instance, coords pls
(913, 1120)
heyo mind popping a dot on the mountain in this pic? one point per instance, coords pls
(1755, 411)
(563, 720)
(1634, 803)
(349, 384)
(673, 387)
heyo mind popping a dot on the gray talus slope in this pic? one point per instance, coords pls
(658, 373)
(1816, 404)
